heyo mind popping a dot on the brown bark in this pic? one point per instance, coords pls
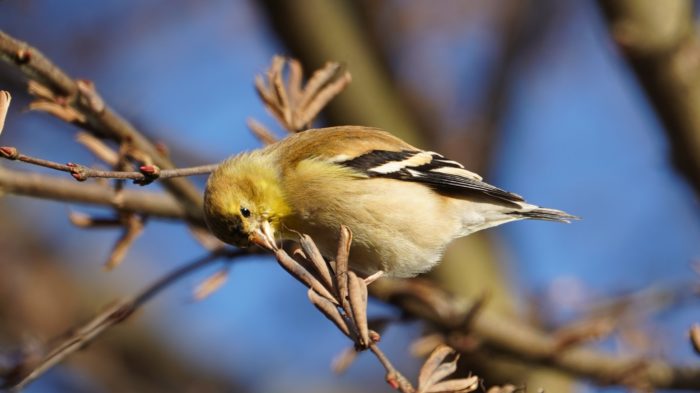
(661, 44)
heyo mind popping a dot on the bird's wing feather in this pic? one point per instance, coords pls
(336, 143)
(426, 167)
(375, 153)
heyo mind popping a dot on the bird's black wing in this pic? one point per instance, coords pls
(430, 168)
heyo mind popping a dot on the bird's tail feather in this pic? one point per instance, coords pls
(539, 213)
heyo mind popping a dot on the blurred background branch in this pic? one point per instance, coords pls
(31, 366)
(661, 42)
(488, 334)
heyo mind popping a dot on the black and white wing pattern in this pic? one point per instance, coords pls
(426, 167)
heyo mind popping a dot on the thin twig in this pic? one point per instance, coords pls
(80, 337)
(393, 376)
(80, 172)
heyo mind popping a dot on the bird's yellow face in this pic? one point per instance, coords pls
(238, 222)
(243, 203)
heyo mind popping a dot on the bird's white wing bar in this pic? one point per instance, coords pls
(457, 172)
(419, 159)
(426, 167)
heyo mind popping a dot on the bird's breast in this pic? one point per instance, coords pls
(399, 227)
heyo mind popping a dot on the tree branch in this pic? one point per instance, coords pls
(661, 43)
(99, 118)
(527, 344)
(26, 372)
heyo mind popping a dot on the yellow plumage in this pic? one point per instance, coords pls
(403, 205)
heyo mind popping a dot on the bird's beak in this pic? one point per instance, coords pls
(264, 236)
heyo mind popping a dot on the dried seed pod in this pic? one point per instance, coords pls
(695, 337)
(424, 345)
(261, 132)
(357, 296)
(432, 364)
(331, 312)
(462, 385)
(343, 360)
(508, 388)
(5, 99)
(63, 112)
(295, 269)
(210, 285)
(314, 255)
(132, 230)
(341, 265)
(98, 148)
(82, 220)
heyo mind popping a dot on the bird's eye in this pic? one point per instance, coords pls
(245, 212)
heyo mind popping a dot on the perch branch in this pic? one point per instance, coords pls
(341, 296)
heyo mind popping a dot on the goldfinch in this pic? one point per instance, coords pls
(404, 205)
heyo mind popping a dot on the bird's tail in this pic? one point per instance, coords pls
(540, 213)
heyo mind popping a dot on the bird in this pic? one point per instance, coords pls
(403, 205)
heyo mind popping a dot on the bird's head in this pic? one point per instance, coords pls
(244, 202)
